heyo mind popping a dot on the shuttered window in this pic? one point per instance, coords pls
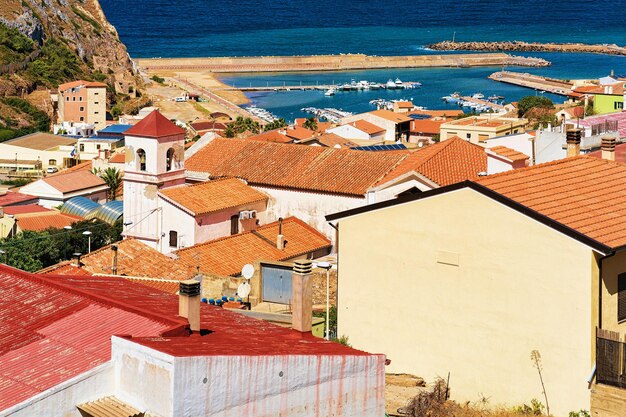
(173, 239)
(621, 297)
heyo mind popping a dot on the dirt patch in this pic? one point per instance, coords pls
(399, 389)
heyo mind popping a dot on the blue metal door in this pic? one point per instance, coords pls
(276, 283)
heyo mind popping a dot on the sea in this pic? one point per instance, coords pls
(197, 28)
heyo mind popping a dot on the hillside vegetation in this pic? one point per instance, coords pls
(44, 43)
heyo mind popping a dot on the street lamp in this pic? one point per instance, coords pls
(327, 266)
(88, 234)
(67, 229)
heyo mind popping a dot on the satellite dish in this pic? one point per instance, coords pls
(247, 271)
(243, 290)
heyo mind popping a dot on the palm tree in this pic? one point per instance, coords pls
(276, 124)
(229, 132)
(310, 124)
(113, 178)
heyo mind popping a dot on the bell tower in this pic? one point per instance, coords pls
(155, 159)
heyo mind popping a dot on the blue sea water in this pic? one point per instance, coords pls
(391, 27)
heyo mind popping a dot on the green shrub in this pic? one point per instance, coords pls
(157, 79)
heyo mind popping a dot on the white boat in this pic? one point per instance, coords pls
(399, 83)
(330, 92)
(478, 96)
(390, 85)
(375, 86)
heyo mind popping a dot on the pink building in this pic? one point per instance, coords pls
(83, 102)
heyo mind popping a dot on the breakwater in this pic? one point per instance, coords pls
(518, 46)
(334, 62)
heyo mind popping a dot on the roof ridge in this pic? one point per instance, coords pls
(219, 239)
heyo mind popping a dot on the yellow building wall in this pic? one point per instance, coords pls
(611, 268)
(460, 283)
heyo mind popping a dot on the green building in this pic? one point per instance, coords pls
(609, 99)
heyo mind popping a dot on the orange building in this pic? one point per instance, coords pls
(83, 102)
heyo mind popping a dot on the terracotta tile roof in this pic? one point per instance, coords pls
(27, 208)
(81, 83)
(74, 181)
(11, 197)
(298, 132)
(136, 259)
(321, 126)
(337, 171)
(273, 136)
(404, 104)
(226, 256)
(64, 268)
(438, 113)
(389, 115)
(576, 111)
(367, 127)
(212, 196)
(426, 126)
(447, 162)
(583, 193)
(118, 158)
(155, 125)
(620, 153)
(166, 285)
(333, 141)
(508, 153)
(208, 125)
(83, 166)
(37, 222)
(617, 89)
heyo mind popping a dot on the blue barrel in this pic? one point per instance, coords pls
(224, 298)
(211, 301)
(204, 300)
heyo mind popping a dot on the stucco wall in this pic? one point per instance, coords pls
(294, 386)
(462, 284)
(349, 132)
(611, 268)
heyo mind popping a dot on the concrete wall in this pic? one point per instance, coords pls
(59, 155)
(349, 132)
(471, 288)
(390, 126)
(294, 386)
(607, 401)
(97, 107)
(61, 400)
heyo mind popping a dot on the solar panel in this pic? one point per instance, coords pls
(420, 116)
(376, 148)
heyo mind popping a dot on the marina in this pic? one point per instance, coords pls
(476, 102)
(328, 114)
(362, 85)
(535, 82)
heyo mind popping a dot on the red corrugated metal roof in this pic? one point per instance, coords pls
(53, 328)
(11, 198)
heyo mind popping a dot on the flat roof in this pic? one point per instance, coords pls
(41, 141)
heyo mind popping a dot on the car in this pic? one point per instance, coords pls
(52, 170)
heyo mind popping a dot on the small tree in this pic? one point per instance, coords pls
(113, 178)
(276, 124)
(532, 102)
(310, 123)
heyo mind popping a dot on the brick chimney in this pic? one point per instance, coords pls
(302, 295)
(608, 147)
(573, 137)
(189, 303)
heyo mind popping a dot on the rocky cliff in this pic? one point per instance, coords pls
(44, 43)
(78, 24)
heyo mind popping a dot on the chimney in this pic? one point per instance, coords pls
(302, 296)
(573, 142)
(280, 239)
(114, 267)
(189, 303)
(608, 147)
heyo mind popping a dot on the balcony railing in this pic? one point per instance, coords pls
(610, 359)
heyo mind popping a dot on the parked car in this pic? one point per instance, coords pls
(52, 170)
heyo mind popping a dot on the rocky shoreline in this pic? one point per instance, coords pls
(519, 46)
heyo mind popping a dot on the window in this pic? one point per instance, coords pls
(169, 159)
(95, 94)
(621, 297)
(82, 118)
(96, 102)
(141, 159)
(67, 98)
(234, 224)
(468, 135)
(52, 162)
(95, 112)
(81, 147)
(173, 239)
(98, 147)
(80, 99)
(618, 105)
(73, 98)
(81, 108)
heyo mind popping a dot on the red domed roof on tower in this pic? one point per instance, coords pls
(155, 125)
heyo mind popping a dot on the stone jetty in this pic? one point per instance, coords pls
(519, 46)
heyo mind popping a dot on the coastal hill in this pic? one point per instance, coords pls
(44, 43)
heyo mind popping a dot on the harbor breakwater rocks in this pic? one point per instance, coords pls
(518, 46)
